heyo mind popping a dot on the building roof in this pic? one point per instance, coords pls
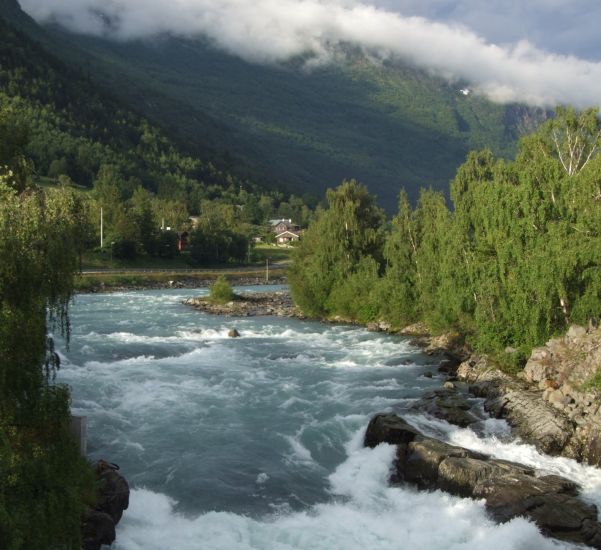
(287, 234)
(283, 220)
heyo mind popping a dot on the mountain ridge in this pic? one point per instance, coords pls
(389, 125)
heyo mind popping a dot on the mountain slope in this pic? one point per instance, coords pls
(389, 125)
(76, 129)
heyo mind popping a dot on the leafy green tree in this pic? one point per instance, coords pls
(398, 291)
(44, 484)
(349, 230)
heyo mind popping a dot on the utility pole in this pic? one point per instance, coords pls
(101, 228)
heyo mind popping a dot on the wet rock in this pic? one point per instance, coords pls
(530, 417)
(448, 385)
(233, 333)
(388, 428)
(113, 497)
(98, 529)
(447, 405)
(249, 305)
(510, 490)
(427, 375)
(398, 361)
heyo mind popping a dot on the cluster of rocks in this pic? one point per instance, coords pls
(248, 305)
(510, 490)
(112, 499)
(548, 404)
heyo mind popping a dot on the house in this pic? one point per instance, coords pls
(280, 226)
(286, 237)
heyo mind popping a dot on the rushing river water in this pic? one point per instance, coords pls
(256, 442)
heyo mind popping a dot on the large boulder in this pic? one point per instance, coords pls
(98, 524)
(98, 529)
(510, 489)
(113, 493)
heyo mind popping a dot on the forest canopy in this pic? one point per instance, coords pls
(515, 258)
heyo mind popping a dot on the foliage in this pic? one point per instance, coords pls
(514, 262)
(342, 246)
(221, 291)
(44, 484)
(594, 382)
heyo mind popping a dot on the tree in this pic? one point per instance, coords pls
(573, 138)
(44, 483)
(14, 136)
(345, 235)
(398, 289)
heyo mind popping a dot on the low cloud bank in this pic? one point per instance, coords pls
(271, 31)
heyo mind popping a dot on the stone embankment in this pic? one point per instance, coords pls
(510, 490)
(113, 498)
(549, 404)
(249, 305)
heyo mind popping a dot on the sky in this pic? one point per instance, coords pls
(539, 52)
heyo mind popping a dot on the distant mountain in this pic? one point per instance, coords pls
(388, 125)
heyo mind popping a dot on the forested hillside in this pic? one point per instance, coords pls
(516, 260)
(387, 124)
(58, 126)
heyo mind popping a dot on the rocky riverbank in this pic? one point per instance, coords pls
(510, 490)
(549, 404)
(249, 305)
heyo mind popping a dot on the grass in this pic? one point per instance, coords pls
(102, 259)
(96, 259)
(275, 253)
(103, 281)
(594, 382)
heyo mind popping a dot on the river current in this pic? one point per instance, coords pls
(256, 442)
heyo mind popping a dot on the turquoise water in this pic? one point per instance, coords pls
(255, 442)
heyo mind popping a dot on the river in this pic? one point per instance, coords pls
(256, 442)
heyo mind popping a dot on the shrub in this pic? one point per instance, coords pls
(221, 291)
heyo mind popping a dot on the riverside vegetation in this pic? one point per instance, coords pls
(513, 262)
(44, 483)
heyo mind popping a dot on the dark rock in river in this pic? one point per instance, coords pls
(113, 498)
(447, 404)
(233, 333)
(113, 495)
(510, 489)
(98, 529)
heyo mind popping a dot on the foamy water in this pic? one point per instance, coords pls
(255, 442)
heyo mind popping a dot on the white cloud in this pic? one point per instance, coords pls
(269, 31)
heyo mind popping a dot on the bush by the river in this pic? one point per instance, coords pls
(221, 291)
